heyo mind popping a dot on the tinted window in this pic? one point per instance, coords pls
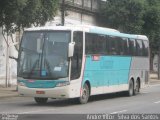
(77, 57)
(118, 45)
(95, 44)
(88, 43)
(113, 48)
(131, 47)
(139, 48)
(122, 46)
(145, 48)
(112, 45)
(125, 46)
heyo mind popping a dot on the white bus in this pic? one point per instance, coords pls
(81, 61)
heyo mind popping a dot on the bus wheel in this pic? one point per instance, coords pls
(131, 88)
(137, 87)
(85, 94)
(40, 100)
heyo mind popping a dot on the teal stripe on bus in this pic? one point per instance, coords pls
(41, 83)
(107, 71)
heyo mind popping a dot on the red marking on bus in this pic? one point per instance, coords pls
(31, 81)
(95, 57)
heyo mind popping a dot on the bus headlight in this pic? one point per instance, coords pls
(21, 84)
(62, 84)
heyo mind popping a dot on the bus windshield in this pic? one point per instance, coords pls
(44, 55)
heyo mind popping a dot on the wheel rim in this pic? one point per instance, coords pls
(85, 94)
(137, 87)
(131, 88)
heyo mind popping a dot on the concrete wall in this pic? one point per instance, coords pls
(79, 18)
(73, 16)
(12, 64)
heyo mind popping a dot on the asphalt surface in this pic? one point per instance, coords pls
(146, 102)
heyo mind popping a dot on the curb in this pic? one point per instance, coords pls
(7, 96)
(8, 92)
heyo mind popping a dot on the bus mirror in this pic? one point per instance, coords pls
(71, 49)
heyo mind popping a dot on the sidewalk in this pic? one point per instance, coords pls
(11, 91)
(8, 92)
(154, 79)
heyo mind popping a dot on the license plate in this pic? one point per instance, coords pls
(40, 92)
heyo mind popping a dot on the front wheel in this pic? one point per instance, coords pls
(85, 94)
(40, 100)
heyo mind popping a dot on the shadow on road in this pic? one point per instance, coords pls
(72, 102)
(107, 96)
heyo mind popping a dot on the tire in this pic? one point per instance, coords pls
(131, 88)
(40, 100)
(85, 94)
(137, 87)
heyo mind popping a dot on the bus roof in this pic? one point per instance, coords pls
(143, 37)
(90, 29)
(86, 28)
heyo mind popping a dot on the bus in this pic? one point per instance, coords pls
(80, 61)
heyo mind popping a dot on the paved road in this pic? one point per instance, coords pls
(148, 101)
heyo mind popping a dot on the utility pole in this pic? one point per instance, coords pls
(7, 63)
(159, 63)
(63, 13)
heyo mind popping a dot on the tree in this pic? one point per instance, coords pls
(151, 27)
(37, 12)
(18, 14)
(125, 15)
(15, 15)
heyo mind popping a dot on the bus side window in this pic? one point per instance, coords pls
(103, 44)
(77, 57)
(139, 48)
(95, 44)
(132, 48)
(145, 48)
(125, 46)
(113, 48)
(89, 43)
(107, 45)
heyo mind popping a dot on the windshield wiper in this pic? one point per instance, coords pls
(28, 50)
(33, 67)
(49, 68)
(42, 55)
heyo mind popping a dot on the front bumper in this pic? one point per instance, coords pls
(57, 92)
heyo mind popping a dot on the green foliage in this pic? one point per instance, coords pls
(17, 14)
(125, 15)
(8, 14)
(151, 26)
(136, 17)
